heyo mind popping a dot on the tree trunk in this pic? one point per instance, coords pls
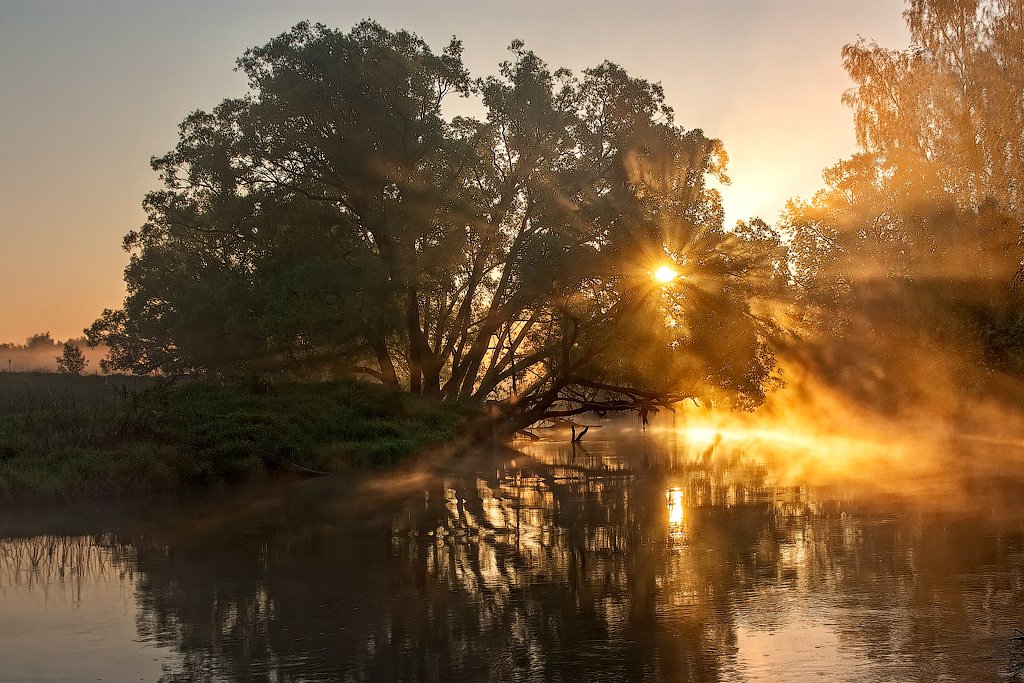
(387, 367)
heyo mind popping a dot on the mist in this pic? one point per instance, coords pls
(40, 352)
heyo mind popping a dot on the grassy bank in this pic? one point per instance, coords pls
(64, 436)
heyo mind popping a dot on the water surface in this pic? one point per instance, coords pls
(634, 557)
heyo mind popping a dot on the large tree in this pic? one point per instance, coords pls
(951, 103)
(336, 220)
(907, 257)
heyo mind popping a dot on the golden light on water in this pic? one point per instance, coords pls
(804, 448)
(665, 274)
(674, 499)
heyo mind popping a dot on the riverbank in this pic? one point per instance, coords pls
(70, 437)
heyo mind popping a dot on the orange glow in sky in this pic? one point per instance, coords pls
(93, 90)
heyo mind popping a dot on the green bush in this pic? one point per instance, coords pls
(62, 435)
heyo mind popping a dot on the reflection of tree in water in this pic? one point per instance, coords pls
(573, 562)
(568, 565)
(533, 571)
(65, 562)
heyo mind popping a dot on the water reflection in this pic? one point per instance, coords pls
(674, 498)
(630, 559)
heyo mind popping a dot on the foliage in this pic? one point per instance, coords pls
(905, 260)
(334, 220)
(36, 354)
(62, 435)
(41, 339)
(936, 189)
(948, 108)
(72, 361)
(316, 425)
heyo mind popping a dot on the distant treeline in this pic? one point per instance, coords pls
(40, 352)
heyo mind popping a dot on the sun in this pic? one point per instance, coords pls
(665, 274)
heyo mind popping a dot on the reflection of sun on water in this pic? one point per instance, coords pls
(674, 498)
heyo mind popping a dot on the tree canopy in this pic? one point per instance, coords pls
(71, 361)
(336, 220)
(907, 259)
(936, 187)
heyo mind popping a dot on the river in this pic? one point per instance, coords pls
(649, 556)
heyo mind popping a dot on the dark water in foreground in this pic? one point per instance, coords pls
(636, 558)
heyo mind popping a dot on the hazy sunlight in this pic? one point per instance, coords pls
(665, 274)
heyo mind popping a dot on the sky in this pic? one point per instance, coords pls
(91, 89)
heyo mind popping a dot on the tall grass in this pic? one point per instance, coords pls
(48, 411)
(83, 436)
